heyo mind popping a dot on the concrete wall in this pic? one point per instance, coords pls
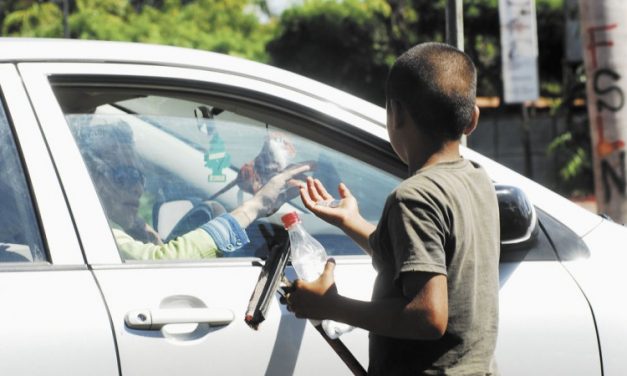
(500, 137)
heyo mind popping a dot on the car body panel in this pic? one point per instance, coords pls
(54, 322)
(602, 279)
(565, 343)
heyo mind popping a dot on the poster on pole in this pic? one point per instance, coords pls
(519, 50)
(604, 37)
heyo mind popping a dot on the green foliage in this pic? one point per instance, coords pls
(38, 20)
(572, 147)
(577, 158)
(101, 19)
(344, 43)
(227, 26)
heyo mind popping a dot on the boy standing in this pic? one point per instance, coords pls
(434, 307)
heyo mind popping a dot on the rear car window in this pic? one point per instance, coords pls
(20, 240)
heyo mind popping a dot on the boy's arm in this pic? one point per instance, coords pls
(359, 230)
(422, 313)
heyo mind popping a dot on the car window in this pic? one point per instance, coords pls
(170, 155)
(20, 240)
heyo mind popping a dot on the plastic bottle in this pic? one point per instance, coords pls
(308, 259)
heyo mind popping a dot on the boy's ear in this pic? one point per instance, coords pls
(397, 115)
(473, 121)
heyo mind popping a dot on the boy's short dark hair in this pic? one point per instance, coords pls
(437, 84)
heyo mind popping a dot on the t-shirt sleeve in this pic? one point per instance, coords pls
(417, 233)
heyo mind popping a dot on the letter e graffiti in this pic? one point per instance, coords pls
(609, 175)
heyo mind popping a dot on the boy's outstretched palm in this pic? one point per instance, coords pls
(343, 213)
(316, 198)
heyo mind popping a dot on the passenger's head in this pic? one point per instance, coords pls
(109, 152)
(436, 85)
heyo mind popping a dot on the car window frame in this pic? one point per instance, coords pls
(60, 242)
(99, 246)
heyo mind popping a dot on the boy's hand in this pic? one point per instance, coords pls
(316, 198)
(314, 299)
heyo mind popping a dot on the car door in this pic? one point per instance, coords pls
(53, 319)
(175, 117)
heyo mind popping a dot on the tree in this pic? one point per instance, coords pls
(228, 26)
(351, 32)
(9, 6)
(33, 20)
(343, 43)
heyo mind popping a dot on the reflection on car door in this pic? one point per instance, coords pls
(53, 319)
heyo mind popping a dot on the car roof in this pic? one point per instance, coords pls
(77, 50)
(18, 50)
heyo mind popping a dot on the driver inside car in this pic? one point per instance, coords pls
(115, 168)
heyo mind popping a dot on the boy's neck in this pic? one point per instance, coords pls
(449, 152)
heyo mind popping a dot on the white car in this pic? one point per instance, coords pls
(69, 298)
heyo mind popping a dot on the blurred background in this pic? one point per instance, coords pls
(350, 44)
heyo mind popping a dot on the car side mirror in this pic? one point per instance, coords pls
(518, 218)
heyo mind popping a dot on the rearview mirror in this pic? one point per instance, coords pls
(518, 219)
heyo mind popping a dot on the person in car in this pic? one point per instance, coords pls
(115, 168)
(434, 307)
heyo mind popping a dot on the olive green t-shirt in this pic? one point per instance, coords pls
(443, 220)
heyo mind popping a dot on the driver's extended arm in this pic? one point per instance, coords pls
(222, 234)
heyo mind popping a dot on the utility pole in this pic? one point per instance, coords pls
(455, 23)
(455, 29)
(65, 6)
(604, 37)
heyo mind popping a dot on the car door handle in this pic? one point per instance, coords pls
(155, 319)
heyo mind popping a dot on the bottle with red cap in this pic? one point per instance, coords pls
(308, 255)
(308, 259)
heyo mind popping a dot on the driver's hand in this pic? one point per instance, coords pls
(282, 187)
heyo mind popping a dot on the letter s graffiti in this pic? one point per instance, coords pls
(601, 104)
